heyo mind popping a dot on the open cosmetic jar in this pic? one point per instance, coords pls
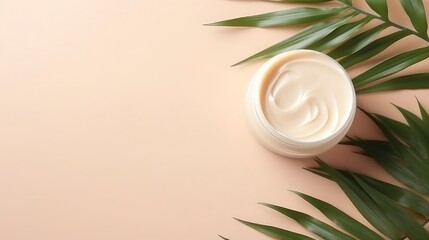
(301, 103)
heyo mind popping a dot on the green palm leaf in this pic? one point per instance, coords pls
(416, 12)
(339, 35)
(381, 152)
(404, 197)
(274, 232)
(302, 39)
(289, 17)
(387, 207)
(423, 113)
(389, 198)
(391, 66)
(412, 81)
(363, 202)
(395, 213)
(312, 224)
(347, 40)
(379, 6)
(341, 219)
(405, 153)
(372, 49)
(357, 42)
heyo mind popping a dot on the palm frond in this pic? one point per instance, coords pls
(341, 219)
(396, 212)
(340, 31)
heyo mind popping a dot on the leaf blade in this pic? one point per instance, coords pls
(391, 66)
(288, 17)
(415, 10)
(312, 224)
(341, 219)
(390, 159)
(366, 206)
(399, 217)
(274, 232)
(423, 112)
(356, 43)
(412, 81)
(300, 40)
(372, 49)
(339, 35)
(402, 196)
(380, 7)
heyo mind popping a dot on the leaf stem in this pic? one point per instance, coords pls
(360, 11)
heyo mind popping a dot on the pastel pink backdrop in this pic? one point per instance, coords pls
(123, 120)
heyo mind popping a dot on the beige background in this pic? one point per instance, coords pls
(123, 120)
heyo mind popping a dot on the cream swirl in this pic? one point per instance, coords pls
(308, 97)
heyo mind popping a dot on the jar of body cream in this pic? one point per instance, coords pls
(301, 103)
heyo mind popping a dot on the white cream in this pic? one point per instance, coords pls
(301, 103)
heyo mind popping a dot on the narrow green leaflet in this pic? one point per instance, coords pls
(396, 214)
(224, 238)
(389, 158)
(402, 196)
(319, 172)
(372, 49)
(293, 16)
(274, 232)
(415, 10)
(341, 219)
(409, 144)
(357, 42)
(409, 159)
(380, 7)
(419, 127)
(300, 40)
(391, 164)
(412, 81)
(424, 114)
(398, 129)
(366, 206)
(391, 66)
(312, 224)
(339, 35)
(420, 130)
